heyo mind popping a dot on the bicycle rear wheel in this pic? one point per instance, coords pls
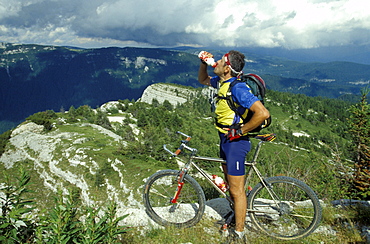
(160, 188)
(286, 209)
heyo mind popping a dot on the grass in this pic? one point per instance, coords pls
(207, 232)
(341, 225)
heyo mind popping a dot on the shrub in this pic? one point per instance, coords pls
(4, 138)
(43, 118)
(15, 227)
(62, 224)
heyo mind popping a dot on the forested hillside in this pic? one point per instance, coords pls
(108, 153)
(312, 132)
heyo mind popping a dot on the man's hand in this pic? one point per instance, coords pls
(207, 58)
(234, 132)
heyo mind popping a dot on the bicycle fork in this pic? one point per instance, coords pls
(180, 183)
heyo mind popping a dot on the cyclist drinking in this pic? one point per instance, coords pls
(234, 144)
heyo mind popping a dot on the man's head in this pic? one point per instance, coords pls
(232, 63)
(235, 60)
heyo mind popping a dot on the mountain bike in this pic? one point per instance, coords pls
(282, 207)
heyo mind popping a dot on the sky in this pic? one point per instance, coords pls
(290, 24)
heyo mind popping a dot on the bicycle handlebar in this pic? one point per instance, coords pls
(188, 138)
(262, 137)
(183, 145)
(169, 151)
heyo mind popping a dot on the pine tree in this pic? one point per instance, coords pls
(102, 120)
(359, 124)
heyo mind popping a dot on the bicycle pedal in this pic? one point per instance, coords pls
(230, 218)
(229, 221)
(224, 227)
(224, 230)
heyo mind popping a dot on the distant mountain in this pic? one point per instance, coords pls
(349, 53)
(333, 78)
(354, 54)
(35, 78)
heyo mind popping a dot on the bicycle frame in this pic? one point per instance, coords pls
(190, 163)
(280, 206)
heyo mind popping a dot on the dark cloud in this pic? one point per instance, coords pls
(266, 23)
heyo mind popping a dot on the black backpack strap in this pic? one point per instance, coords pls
(259, 91)
(221, 125)
(232, 105)
(231, 102)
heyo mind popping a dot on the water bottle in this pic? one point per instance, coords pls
(208, 60)
(249, 190)
(220, 183)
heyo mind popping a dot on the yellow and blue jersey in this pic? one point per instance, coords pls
(241, 95)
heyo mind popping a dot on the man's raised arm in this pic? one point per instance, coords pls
(203, 76)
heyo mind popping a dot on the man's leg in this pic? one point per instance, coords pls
(237, 193)
(235, 152)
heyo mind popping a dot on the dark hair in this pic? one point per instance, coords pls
(237, 61)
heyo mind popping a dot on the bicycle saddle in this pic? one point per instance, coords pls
(266, 137)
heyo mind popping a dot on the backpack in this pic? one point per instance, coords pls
(258, 88)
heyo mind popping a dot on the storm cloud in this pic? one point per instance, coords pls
(239, 23)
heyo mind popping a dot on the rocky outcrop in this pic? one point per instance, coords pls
(172, 93)
(162, 92)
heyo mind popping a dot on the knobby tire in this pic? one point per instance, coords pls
(295, 213)
(160, 188)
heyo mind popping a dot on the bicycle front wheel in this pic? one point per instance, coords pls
(286, 208)
(159, 190)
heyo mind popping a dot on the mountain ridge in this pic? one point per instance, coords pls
(35, 78)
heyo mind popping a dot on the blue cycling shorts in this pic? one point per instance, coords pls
(234, 152)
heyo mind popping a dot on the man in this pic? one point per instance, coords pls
(234, 144)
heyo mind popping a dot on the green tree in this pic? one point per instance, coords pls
(43, 118)
(102, 120)
(4, 138)
(72, 114)
(359, 127)
(86, 112)
(167, 105)
(155, 102)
